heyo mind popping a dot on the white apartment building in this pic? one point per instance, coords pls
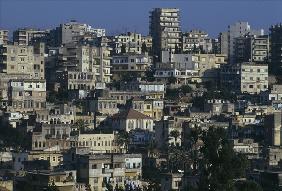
(4, 36)
(131, 41)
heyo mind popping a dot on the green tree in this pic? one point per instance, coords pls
(220, 165)
(175, 134)
(52, 187)
(149, 75)
(152, 149)
(172, 93)
(153, 186)
(80, 125)
(123, 139)
(123, 49)
(172, 80)
(186, 89)
(144, 48)
(247, 186)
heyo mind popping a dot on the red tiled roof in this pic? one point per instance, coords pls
(131, 114)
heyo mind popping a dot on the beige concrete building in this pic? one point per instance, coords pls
(133, 64)
(103, 105)
(26, 95)
(26, 36)
(4, 82)
(4, 36)
(97, 143)
(98, 170)
(51, 137)
(55, 158)
(185, 68)
(245, 77)
(83, 67)
(123, 96)
(23, 59)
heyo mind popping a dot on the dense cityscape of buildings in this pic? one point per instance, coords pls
(172, 110)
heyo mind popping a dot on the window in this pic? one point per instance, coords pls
(251, 86)
(94, 166)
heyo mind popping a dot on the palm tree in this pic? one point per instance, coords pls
(123, 139)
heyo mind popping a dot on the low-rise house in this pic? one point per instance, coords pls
(143, 86)
(131, 119)
(51, 136)
(103, 105)
(245, 119)
(247, 147)
(54, 158)
(123, 96)
(97, 143)
(217, 107)
(150, 107)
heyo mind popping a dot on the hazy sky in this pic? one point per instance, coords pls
(132, 15)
